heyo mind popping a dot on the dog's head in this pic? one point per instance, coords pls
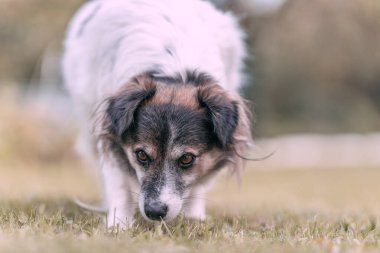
(175, 135)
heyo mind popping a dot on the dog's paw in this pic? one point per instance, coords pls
(200, 217)
(196, 214)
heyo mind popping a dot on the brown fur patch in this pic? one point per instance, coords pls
(180, 94)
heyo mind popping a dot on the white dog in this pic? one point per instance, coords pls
(162, 77)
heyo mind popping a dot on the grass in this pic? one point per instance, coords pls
(316, 210)
(72, 230)
(271, 212)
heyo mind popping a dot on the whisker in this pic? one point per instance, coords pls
(188, 200)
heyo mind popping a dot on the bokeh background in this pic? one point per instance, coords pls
(313, 79)
(314, 66)
(313, 82)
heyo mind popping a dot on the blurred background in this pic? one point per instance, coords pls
(313, 82)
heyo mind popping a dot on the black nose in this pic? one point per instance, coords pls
(155, 210)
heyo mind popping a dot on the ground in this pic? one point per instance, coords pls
(272, 210)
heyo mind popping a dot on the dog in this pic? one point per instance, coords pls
(162, 78)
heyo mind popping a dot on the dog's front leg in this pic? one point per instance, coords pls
(118, 194)
(195, 207)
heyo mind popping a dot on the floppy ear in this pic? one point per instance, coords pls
(122, 106)
(223, 112)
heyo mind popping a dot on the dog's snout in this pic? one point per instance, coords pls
(155, 210)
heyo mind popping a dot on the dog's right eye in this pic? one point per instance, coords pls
(142, 157)
(186, 161)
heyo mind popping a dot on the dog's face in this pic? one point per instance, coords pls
(174, 136)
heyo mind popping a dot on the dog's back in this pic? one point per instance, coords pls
(110, 41)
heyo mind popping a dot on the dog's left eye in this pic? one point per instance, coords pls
(142, 157)
(186, 160)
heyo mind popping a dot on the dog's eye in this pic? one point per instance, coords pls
(142, 157)
(186, 160)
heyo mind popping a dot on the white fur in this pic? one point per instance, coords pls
(168, 196)
(127, 37)
(195, 208)
(111, 41)
(120, 192)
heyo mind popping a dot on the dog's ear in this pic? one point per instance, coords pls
(222, 111)
(122, 106)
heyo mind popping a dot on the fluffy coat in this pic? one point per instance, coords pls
(115, 49)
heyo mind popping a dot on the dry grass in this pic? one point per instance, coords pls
(317, 210)
(289, 211)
